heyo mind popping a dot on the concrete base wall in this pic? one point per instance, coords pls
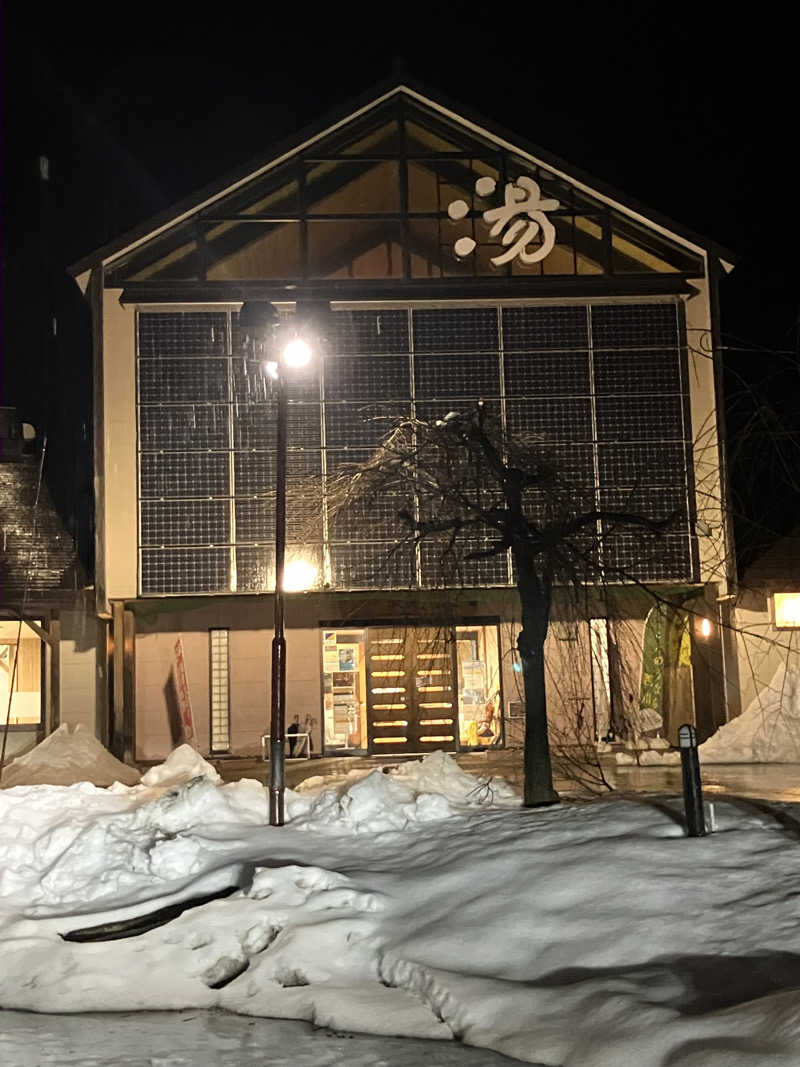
(571, 701)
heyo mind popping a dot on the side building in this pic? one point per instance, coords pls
(457, 263)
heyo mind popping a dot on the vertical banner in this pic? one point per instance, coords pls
(184, 701)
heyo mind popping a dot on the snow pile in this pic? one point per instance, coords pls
(65, 758)
(182, 764)
(767, 732)
(395, 798)
(584, 935)
(649, 757)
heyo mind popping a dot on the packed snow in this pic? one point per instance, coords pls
(66, 757)
(419, 902)
(768, 731)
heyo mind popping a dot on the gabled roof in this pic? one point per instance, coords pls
(471, 123)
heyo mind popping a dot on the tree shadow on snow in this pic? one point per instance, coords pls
(708, 983)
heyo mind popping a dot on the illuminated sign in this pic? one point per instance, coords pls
(787, 610)
(520, 222)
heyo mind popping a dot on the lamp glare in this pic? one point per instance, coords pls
(297, 353)
(298, 576)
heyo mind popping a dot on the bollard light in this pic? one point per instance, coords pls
(692, 788)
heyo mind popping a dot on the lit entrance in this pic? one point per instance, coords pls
(396, 689)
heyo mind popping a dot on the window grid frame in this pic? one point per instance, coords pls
(329, 568)
(219, 679)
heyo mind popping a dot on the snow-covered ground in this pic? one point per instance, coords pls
(421, 902)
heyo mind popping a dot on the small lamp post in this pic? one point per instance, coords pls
(293, 351)
(692, 788)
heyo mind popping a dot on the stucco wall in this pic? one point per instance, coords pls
(78, 668)
(117, 521)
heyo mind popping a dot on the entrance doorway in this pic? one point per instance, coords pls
(406, 688)
(411, 690)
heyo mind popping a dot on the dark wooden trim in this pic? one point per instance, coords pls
(53, 720)
(129, 686)
(400, 290)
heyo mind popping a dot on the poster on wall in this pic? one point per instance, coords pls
(330, 653)
(184, 701)
(347, 658)
(473, 682)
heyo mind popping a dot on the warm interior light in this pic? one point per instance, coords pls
(705, 628)
(299, 575)
(297, 353)
(787, 610)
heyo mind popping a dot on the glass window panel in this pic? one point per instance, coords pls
(368, 332)
(635, 325)
(344, 679)
(559, 261)
(196, 570)
(424, 237)
(631, 371)
(184, 474)
(428, 133)
(376, 134)
(590, 251)
(423, 187)
(434, 184)
(457, 375)
(275, 193)
(238, 251)
(550, 327)
(366, 378)
(455, 329)
(630, 418)
(378, 564)
(355, 249)
(480, 708)
(182, 333)
(177, 427)
(637, 250)
(359, 425)
(643, 463)
(554, 418)
(183, 378)
(551, 373)
(185, 522)
(335, 187)
(173, 257)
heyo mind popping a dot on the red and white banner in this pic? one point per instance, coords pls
(184, 701)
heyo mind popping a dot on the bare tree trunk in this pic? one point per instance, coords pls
(535, 603)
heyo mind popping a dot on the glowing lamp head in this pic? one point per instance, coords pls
(705, 628)
(299, 575)
(297, 353)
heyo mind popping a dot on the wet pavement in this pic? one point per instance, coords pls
(212, 1039)
(775, 782)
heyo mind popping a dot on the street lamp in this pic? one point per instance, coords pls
(293, 350)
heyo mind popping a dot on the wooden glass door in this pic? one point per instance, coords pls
(412, 694)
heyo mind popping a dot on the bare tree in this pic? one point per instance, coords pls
(477, 491)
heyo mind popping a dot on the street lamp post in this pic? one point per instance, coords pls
(277, 722)
(292, 351)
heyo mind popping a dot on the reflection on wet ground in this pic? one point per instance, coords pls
(767, 781)
(211, 1039)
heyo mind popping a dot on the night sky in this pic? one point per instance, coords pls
(138, 106)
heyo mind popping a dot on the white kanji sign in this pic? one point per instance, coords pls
(520, 222)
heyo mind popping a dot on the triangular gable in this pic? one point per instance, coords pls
(401, 189)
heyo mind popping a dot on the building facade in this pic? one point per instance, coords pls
(457, 264)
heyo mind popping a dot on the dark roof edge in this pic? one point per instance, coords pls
(385, 90)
